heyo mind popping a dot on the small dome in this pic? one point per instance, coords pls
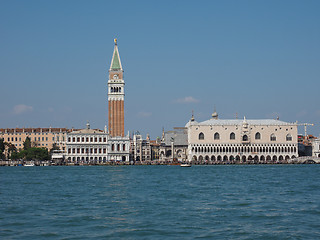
(215, 115)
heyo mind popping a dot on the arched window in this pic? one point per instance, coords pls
(258, 136)
(201, 136)
(119, 89)
(216, 136)
(273, 137)
(232, 136)
(289, 137)
(245, 138)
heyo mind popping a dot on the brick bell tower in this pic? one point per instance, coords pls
(116, 95)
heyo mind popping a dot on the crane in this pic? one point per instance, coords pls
(305, 128)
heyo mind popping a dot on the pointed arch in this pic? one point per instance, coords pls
(216, 136)
(201, 136)
(257, 136)
(245, 138)
(232, 136)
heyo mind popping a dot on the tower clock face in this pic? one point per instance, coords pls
(115, 76)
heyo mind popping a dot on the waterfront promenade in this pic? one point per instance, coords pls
(299, 160)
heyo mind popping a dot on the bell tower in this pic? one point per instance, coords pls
(116, 95)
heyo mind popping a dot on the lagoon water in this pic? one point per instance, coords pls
(160, 202)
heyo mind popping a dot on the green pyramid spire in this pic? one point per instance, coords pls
(115, 63)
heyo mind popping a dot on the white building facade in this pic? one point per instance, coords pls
(94, 146)
(241, 141)
(316, 147)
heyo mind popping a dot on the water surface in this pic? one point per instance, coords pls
(160, 202)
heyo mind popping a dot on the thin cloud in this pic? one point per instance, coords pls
(144, 114)
(187, 100)
(21, 108)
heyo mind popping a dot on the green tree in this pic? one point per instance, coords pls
(2, 147)
(11, 148)
(36, 154)
(15, 156)
(27, 144)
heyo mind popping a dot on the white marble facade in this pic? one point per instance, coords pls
(95, 146)
(241, 141)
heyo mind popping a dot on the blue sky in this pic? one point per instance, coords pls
(260, 59)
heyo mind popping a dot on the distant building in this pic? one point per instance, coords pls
(316, 147)
(241, 141)
(140, 148)
(87, 146)
(174, 145)
(40, 137)
(95, 146)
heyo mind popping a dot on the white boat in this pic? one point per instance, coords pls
(29, 165)
(185, 165)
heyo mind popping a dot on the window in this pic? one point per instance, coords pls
(216, 136)
(123, 147)
(289, 137)
(201, 136)
(112, 147)
(258, 136)
(104, 139)
(232, 136)
(78, 139)
(245, 138)
(273, 137)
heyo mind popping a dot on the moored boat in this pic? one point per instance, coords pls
(185, 165)
(29, 165)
